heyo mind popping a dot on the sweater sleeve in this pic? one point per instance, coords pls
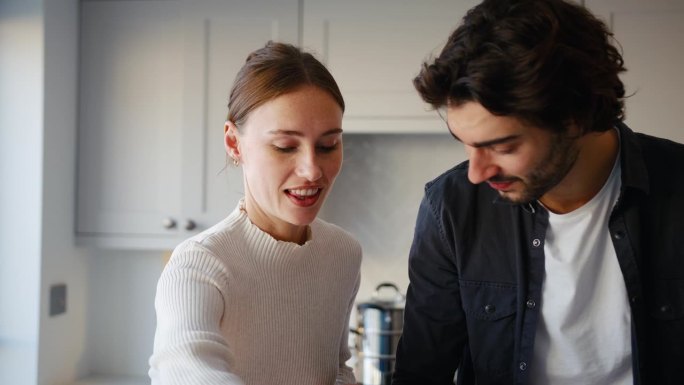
(345, 374)
(188, 346)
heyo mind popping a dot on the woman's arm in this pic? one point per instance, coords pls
(189, 348)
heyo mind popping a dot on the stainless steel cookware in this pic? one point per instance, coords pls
(379, 325)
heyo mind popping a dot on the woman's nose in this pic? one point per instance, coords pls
(308, 167)
(480, 167)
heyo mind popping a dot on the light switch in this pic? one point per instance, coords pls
(58, 298)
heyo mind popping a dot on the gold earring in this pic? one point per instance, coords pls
(236, 162)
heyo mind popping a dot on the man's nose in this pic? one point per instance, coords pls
(480, 167)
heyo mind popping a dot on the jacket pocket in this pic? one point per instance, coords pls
(490, 310)
(664, 332)
(668, 300)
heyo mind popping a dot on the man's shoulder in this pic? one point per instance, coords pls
(653, 146)
(453, 190)
(455, 177)
(660, 157)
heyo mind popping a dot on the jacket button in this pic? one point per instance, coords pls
(489, 309)
(530, 304)
(536, 242)
(523, 365)
(619, 234)
(665, 308)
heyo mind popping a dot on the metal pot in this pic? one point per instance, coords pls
(379, 325)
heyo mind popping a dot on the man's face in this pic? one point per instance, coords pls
(520, 161)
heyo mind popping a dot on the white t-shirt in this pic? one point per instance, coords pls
(584, 331)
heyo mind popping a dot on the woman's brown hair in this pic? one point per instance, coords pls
(274, 70)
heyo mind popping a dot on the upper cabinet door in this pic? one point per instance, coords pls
(218, 36)
(651, 35)
(374, 49)
(131, 71)
(154, 83)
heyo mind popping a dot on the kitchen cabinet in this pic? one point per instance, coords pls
(374, 49)
(129, 120)
(651, 34)
(154, 83)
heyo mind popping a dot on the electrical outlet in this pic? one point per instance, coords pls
(58, 297)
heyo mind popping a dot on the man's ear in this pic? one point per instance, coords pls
(231, 140)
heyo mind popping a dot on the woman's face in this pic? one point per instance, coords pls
(290, 149)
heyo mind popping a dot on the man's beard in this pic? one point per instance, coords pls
(549, 171)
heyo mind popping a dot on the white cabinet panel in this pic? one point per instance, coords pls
(129, 117)
(651, 34)
(374, 49)
(154, 84)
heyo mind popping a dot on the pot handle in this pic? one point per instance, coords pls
(398, 294)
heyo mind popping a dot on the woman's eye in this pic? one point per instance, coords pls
(284, 149)
(328, 148)
(321, 148)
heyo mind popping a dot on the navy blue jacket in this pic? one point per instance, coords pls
(476, 267)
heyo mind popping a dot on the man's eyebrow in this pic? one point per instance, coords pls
(489, 143)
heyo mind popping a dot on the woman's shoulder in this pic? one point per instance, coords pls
(217, 240)
(337, 251)
(332, 230)
(332, 234)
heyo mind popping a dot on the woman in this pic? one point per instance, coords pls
(264, 296)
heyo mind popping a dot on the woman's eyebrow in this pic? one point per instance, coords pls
(333, 131)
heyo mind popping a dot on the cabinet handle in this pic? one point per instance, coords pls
(190, 225)
(169, 223)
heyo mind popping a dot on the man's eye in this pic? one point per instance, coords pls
(504, 149)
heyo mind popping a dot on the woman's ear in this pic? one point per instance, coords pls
(231, 141)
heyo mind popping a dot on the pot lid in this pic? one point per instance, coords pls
(391, 299)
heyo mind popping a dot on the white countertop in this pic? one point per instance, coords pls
(113, 380)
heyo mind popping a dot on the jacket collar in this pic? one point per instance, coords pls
(634, 172)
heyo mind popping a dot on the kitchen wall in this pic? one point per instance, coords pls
(21, 136)
(376, 197)
(377, 194)
(38, 44)
(62, 337)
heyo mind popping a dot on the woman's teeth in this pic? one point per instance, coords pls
(304, 192)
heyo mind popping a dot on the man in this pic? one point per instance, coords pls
(555, 254)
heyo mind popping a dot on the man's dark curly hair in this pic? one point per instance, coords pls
(548, 62)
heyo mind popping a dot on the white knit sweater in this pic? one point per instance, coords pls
(236, 306)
